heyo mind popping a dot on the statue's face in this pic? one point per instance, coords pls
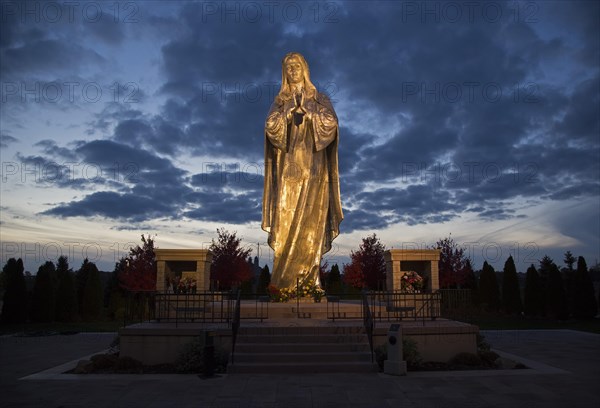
(294, 71)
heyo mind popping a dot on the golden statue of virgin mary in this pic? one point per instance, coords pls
(302, 210)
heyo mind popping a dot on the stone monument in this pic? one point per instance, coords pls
(302, 209)
(195, 263)
(422, 261)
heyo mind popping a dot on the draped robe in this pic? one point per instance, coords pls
(301, 201)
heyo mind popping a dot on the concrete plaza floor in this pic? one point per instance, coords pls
(566, 373)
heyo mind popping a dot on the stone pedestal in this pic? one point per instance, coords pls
(188, 259)
(394, 365)
(422, 261)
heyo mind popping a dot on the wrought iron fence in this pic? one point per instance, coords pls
(214, 307)
(397, 305)
(385, 305)
(139, 307)
(456, 300)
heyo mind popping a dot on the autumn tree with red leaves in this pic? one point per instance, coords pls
(367, 266)
(453, 266)
(137, 271)
(229, 267)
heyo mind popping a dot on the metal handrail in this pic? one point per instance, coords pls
(412, 305)
(368, 323)
(235, 325)
(430, 301)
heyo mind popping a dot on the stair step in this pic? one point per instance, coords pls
(291, 339)
(291, 330)
(301, 347)
(303, 368)
(314, 358)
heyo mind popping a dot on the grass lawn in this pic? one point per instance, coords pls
(61, 328)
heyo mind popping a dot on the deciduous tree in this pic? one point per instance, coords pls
(367, 265)
(354, 276)
(137, 271)
(452, 265)
(229, 266)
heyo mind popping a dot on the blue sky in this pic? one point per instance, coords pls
(479, 120)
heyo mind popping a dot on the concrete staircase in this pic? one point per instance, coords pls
(305, 349)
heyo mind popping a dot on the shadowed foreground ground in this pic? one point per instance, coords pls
(566, 373)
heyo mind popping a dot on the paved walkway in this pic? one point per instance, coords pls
(566, 374)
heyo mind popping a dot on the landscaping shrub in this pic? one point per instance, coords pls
(488, 358)
(129, 365)
(465, 359)
(482, 344)
(104, 361)
(411, 353)
(191, 359)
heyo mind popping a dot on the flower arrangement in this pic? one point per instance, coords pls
(307, 289)
(280, 295)
(411, 282)
(315, 291)
(186, 285)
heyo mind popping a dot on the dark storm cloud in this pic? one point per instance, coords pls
(44, 171)
(226, 196)
(113, 205)
(223, 207)
(147, 187)
(437, 79)
(358, 219)
(220, 178)
(483, 119)
(581, 122)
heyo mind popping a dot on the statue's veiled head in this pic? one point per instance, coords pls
(294, 70)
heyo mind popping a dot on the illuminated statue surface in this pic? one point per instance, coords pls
(301, 202)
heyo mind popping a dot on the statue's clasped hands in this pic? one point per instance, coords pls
(299, 105)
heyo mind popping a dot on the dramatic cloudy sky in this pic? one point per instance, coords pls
(479, 120)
